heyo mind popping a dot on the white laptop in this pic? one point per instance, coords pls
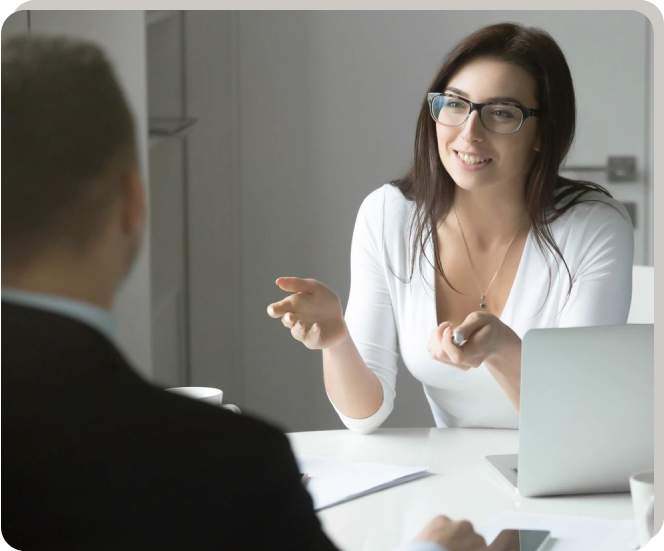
(587, 410)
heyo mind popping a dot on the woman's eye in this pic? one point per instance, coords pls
(502, 114)
(453, 104)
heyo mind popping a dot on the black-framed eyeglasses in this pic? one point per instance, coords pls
(501, 117)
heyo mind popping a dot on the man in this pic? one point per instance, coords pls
(93, 456)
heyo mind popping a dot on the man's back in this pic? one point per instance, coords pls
(94, 457)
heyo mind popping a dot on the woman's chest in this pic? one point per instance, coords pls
(523, 299)
(482, 281)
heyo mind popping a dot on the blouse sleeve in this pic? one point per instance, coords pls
(369, 315)
(602, 282)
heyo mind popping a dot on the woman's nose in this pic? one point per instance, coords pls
(473, 130)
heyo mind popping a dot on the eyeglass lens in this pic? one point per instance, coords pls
(450, 111)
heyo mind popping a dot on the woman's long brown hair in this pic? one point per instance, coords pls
(548, 195)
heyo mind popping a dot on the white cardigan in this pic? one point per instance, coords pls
(388, 316)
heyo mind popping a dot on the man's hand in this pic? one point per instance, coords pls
(455, 536)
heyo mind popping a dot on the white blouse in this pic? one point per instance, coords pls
(389, 316)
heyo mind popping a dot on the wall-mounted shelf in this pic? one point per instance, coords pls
(155, 16)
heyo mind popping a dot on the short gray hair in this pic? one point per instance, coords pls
(68, 137)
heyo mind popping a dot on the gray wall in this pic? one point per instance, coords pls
(339, 94)
(214, 202)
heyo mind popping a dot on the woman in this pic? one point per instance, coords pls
(479, 242)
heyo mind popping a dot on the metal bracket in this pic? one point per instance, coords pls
(622, 169)
(619, 168)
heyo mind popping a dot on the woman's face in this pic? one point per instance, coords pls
(506, 158)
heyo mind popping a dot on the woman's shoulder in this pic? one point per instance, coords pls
(594, 225)
(388, 204)
(592, 211)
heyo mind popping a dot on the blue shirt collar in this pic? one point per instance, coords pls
(89, 314)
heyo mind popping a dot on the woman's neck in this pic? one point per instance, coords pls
(488, 220)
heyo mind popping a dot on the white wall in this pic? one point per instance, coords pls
(328, 105)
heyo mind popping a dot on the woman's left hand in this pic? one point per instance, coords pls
(485, 339)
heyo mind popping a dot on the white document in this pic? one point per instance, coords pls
(568, 533)
(333, 481)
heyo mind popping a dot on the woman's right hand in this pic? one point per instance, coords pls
(313, 313)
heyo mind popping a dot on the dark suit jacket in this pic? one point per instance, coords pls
(93, 457)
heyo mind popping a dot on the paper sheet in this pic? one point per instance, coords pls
(333, 481)
(568, 533)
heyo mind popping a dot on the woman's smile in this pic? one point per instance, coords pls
(469, 161)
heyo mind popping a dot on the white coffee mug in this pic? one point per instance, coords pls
(642, 487)
(212, 396)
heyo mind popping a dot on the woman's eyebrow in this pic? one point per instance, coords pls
(456, 91)
(496, 98)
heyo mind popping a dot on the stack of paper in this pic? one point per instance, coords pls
(333, 481)
(568, 533)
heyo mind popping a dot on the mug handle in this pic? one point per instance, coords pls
(235, 409)
(650, 517)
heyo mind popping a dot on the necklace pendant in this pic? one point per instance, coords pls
(483, 302)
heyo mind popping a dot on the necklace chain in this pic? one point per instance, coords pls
(472, 266)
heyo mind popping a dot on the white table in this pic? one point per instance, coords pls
(463, 484)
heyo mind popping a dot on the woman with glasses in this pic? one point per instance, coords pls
(480, 241)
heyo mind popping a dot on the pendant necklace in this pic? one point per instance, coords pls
(472, 266)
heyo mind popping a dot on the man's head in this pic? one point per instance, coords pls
(70, 180)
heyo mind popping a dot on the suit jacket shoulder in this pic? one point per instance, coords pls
(94, 457)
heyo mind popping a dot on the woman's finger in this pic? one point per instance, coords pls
(475, 351)
(297, 284)
(473, 322)
(454, 352)
(312, 338)
(278, 309)
(298, 330)
(441, 328)
(435, 347)
(462, 357)
(289, 320)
